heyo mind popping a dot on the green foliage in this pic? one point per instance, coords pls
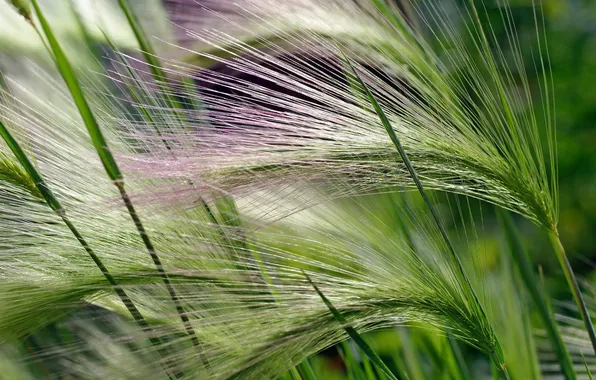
(238, 185)
(520, 256)
(353, 334)
(68, 74)
(13, 173)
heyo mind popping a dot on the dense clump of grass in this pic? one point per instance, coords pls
(108, 161)
(236, 190)
(460, 110)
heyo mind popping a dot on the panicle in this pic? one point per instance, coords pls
(278, 106)
(276, 122)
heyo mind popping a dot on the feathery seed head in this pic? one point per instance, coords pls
(289, 111)
(279, 124)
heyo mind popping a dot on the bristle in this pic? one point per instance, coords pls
(268, 115)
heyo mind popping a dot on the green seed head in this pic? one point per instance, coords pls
(23, 7)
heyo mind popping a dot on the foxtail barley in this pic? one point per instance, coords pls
(239, 153)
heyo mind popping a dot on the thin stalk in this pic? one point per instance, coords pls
(72, 83)
(90, 41)
(435, 351)
(573, 284)
(404, 156)
(532, 283)
(460, 363)
(352, 333)
(144, 44)
(553, 234)
(108, 161)
(161, 78)
(353, 369)
(295, 374)
(157, 262)
(306, 370)
(148, 52)
(56, 206)
(410, 356)
(494, 371)
(499, 364)
(368, 369)
(587, 368)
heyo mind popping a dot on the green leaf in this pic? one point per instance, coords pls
(74, 87)
(352, 333)
(34, 175)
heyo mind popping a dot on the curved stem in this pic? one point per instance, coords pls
(53, 202)
(523, 263)
(573, 285)
(499, 364)
(101, 146)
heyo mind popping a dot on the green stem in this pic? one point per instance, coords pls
(306, 370)
(412, 365)
(460, 363)
(404, 156)
(497, 361)
(295, 374)
(158, 264)
(532, 283)
(161, 78)
(406, 160)
(352, 333)
(56, 206)
(148, 52)
(587, 367)
(107, 159)
(573, 285)
(144, 44)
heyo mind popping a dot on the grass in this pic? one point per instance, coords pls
(495, 355)
(108, 161)
(532, 283)
(246, 184)
(353, 334)
(30, 178)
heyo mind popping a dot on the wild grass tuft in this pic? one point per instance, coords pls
(281, 155)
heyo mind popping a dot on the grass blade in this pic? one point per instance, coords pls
(306, 370)
(72, 83)
(352, 333)
(294, 374)
(171, 101)
(411, 363)
(56, 206)
(143, 41)
(397, 143)
(553, 234)
(108, 160)
(587, 367)
(532, 283)
(148, 52)
(353, 369)
(460, 363)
